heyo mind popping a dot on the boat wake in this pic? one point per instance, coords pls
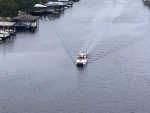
(71, 47)
(114, 44)
(97, 48)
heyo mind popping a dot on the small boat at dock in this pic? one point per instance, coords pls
(4, 35)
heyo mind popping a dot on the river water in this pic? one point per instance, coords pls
(38, 73)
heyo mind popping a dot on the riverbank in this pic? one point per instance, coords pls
(26, 21)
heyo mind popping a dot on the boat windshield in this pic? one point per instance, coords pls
(80, 57)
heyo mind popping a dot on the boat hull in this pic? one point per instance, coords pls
(81, 63)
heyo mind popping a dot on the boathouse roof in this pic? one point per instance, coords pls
(7, 23)
(54, 4)
(39, 5)
(26, 18)
(63, 0)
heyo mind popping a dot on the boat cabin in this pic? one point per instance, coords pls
(82, 56)
(82, 59)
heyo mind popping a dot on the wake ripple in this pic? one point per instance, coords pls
(101, 48)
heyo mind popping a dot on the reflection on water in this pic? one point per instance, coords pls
(31, 31)
(50, 17)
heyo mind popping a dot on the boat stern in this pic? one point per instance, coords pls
(81, 62)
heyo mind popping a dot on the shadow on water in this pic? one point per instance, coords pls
(9, 43)
(31, 31)
(82, 70)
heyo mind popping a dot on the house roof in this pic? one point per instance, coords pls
(26, 18)
(7, 23)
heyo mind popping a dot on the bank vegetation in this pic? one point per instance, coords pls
(10, 8)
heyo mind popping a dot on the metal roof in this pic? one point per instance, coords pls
(54, 4)
(63, 0)
(26, 18)
(39, 5)
(7, 23)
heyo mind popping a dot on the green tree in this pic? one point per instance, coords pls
(11, 7)
(8, 8)
(27, 5)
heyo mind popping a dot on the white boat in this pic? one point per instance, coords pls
(82, 59)
(4, 34)
(83, 56)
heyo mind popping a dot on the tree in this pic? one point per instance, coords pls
(27, 5)
(8, 8)
(11, 7)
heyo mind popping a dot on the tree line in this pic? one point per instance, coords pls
(10, 8)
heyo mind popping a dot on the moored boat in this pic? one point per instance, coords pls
(4, 35)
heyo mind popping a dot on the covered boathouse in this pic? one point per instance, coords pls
(69, 3)
(24, 22)
(57, 7)
(8, 27)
